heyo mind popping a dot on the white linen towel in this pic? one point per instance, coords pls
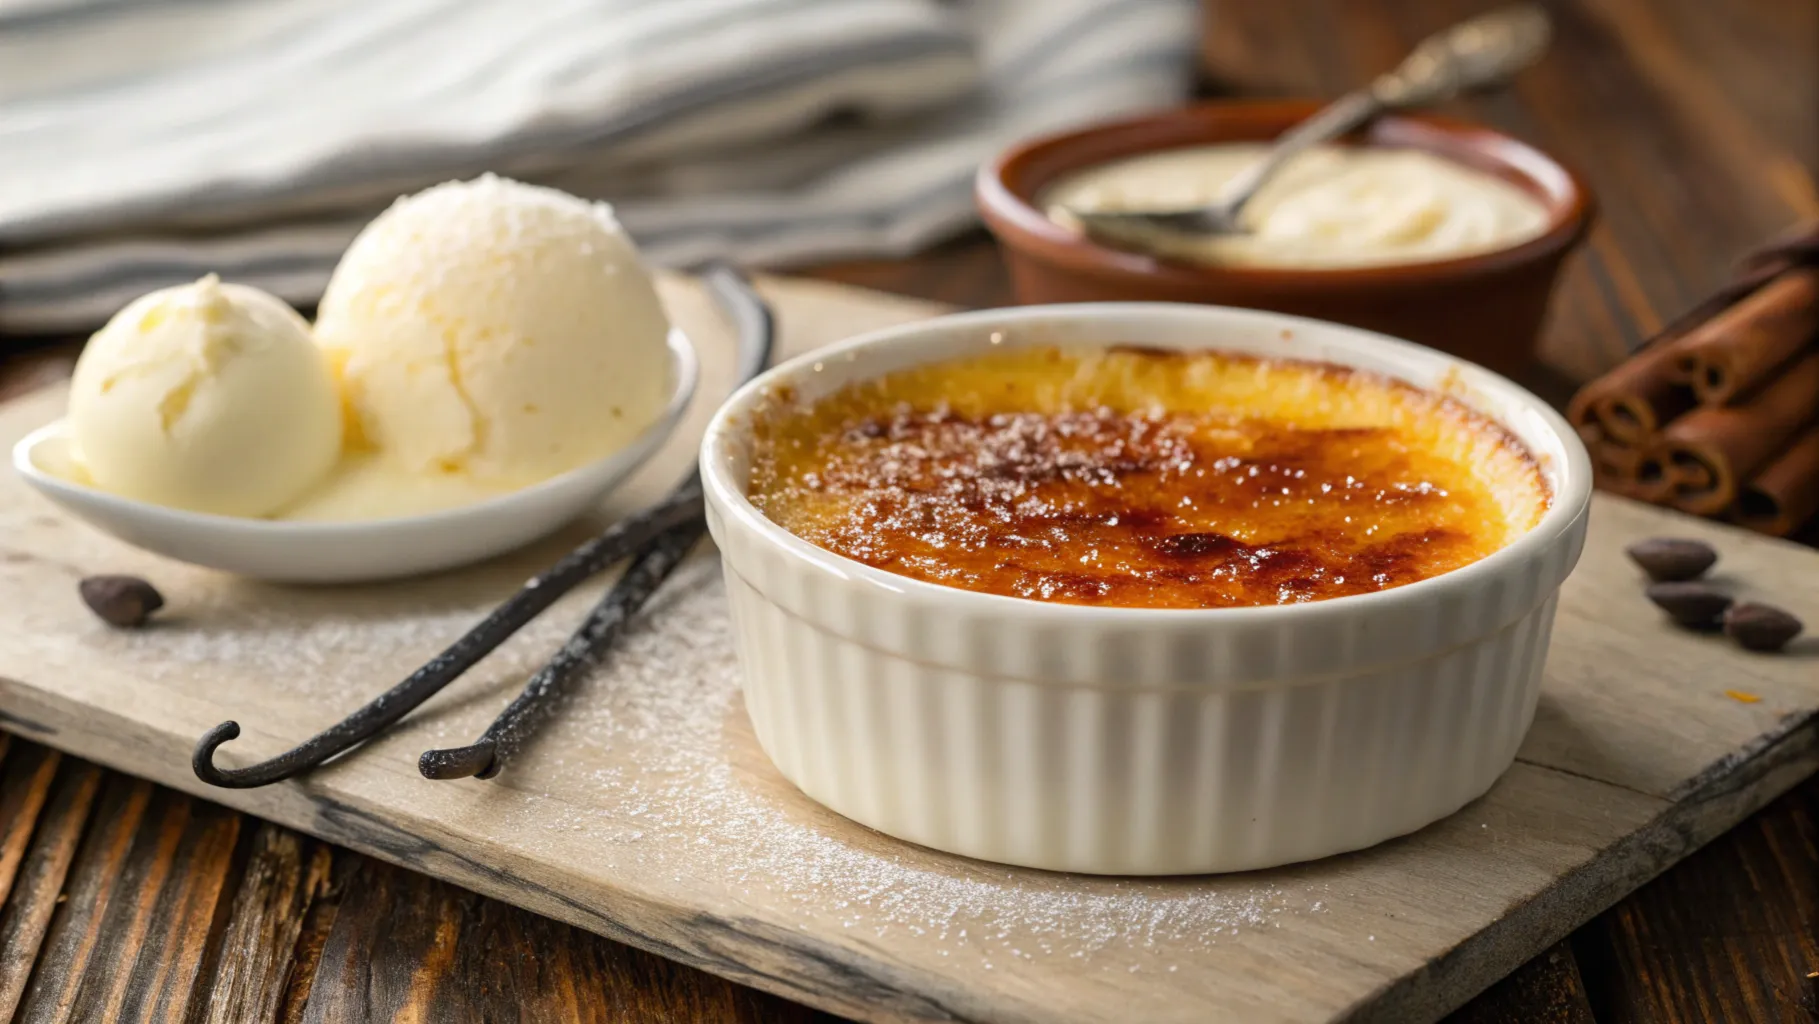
(146, 142)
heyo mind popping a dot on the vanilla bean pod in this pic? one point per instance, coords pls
(537, 595)
(598, 632)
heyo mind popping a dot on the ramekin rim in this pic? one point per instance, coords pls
(1569, 502)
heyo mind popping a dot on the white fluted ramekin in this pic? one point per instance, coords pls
(1139, 741)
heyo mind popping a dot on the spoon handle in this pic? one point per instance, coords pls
(1335, 119)
(1477, 52)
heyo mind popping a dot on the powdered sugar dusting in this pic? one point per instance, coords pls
(307, 650)
(684, 790)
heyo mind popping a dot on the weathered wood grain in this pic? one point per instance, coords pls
(472, 958)
(133, 946)
(1546, 990)
(284, 875)
(37, 890)
(74, 934)
(318, 924)
(1599, 802)
(25, 783)
(1731, 937)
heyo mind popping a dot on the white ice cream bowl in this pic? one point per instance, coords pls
(1139, 741)
(355, 551)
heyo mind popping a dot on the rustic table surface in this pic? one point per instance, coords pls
(1694, 121)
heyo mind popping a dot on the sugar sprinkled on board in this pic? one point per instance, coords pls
(330, 648)
(308, 651)
(681, 786)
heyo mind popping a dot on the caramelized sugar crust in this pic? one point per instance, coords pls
(1143, 478)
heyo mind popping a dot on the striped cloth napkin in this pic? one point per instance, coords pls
(146, 142)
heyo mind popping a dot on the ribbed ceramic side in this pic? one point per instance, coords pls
(1158, 780)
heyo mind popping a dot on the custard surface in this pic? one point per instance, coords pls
(1142, 478)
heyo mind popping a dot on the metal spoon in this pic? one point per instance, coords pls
(1479, 52)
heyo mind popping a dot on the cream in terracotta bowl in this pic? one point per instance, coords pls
(1426, 228)
(1141, 588)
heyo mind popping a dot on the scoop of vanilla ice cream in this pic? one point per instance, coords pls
(496, 330)
(208, 397)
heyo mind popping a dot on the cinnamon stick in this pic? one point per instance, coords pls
(1635, 399)
(1741, 351)
(1617, 461)
(1732, 443)
(1645, 391)
(1659, 472)
(1785, 494)
(1741, 347)
(1613, 464)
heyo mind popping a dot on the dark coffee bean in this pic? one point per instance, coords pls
(125, 601)
(1693, 605)
(1760, 627)
(1668, 559)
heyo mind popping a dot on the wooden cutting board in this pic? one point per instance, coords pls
(647, 813)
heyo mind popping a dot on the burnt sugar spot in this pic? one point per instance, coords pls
(1404, 558)
(1201, 545)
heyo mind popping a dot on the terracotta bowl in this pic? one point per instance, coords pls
(1486, 307)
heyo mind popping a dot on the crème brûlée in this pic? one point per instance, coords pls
(1144, 478)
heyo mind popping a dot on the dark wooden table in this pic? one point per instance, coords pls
(1697, 121)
